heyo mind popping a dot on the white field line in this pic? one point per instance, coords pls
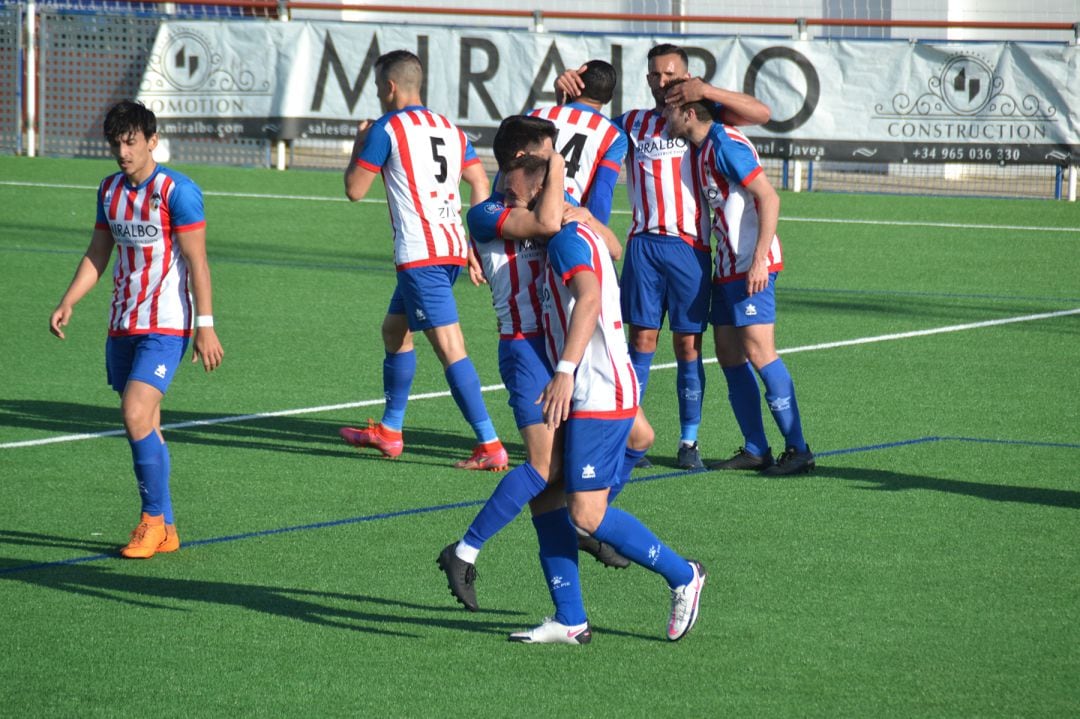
(494, 387)
(315, 198)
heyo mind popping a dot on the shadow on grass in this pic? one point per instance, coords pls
(355, 612)
(298, 435)
(33, 539)
(890, 481)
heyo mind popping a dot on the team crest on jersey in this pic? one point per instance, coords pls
(155, 201)
(493, 208)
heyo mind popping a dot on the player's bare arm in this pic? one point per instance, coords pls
(738, 108)
(358, 179)
(573, 213)
(557, 396)
(476, 269)
(207, 347)
(768, 203)
(545, 218)
(479, 190)
(569, 85)
(94, 263)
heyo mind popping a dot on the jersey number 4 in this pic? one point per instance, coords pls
(571, 152)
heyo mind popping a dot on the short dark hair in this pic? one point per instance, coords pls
(531, 164)
(129, 116)
(669, 49)
(600, 79)
(401, 66)
(701, 108)
(516, 133)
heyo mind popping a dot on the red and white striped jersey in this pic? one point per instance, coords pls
(150, 276)
(726, 162)
(421, 156)
(588, 140)
(605, 386)
(513, 268)
(660, 181)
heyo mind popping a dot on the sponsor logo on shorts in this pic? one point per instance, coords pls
(588, 472)
(161, 371)
(420, 315)
(751, 311)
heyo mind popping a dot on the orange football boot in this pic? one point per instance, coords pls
(385, 440)
(486, 455)
(148, 538)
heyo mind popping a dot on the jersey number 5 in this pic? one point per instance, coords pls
(436, 144)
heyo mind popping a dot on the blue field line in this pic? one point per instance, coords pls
(478, 502)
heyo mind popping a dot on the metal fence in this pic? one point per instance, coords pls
(11, 18)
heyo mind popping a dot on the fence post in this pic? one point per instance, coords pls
(283, 10)
(1072, 183)
(800, 29)
(538, 21)
(31, 78)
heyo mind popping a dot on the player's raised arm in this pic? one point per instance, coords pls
(94, 263)
(569, 85)
(737, 108)
(545, 217)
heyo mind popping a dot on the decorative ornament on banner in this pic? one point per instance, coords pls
(842, 100)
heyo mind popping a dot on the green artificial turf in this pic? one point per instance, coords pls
(929, 567)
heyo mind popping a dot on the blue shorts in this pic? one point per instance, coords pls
(664, 275)
(524, 367)
(425, 296)
(152, 358)
(731, 306)
(593, 452)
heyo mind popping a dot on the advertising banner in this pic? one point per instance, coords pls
(841, 100)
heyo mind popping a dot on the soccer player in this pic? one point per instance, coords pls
(592, 145)
(508, 232)
(422, 157)
(593, 394)
(154, 217)
(666, 268)
(748, 257)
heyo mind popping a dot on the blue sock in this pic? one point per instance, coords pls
(167, 498)
(398, 370)
(150, 473)
(465, 387)
(745, 399)
(690, 384)
(780, 395)
(642, 361)
(636, 542)
(512, 493)
(559, 559)
(630, 458)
